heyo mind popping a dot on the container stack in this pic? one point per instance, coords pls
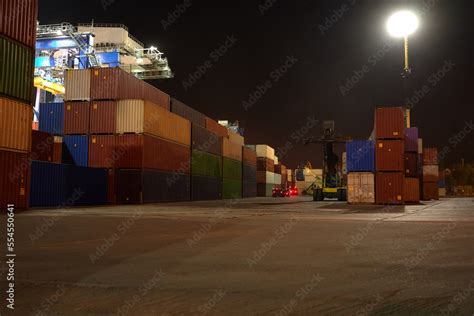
(442, 183)
(430, 174)
(249, 172)
(17, 52)
(265, 169)
(360, 156)
(412, 175)
(232, 166)
(389, 155)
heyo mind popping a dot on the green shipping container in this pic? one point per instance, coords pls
(206, 164)
(231, 189)
(16, 71)
(232, 169)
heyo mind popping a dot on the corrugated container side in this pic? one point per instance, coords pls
(181, 109)
(265, 177)
(105, 84)
(277, 178)
(249, 189)
(411, 164)
(14, 179)
(412, 190)
(102, 152)
(231, 189)
(361, 188)
(360, 156)
(249, 156)
(58, 149)
(76, 117)
(18, 20)
(389, 155)
(430, 173)
(249, 173)
(48, 187)
(77, 84)
(430, 191)
(389, 187)
(390, 123)
(411, 139)
(42, 144)
(103, 117)
(76, 150)
(206, 164)
(430, 156)
(51, 118)
(264, 190)
(236, 138)
(205, 140)
(205, 188)
(231, 150)
(90, 184)
(265, 164)
(16, 71)
(420, 146)
(156, 96)
(15, 125)
(265, 151)
(216, 128)
(231, 169)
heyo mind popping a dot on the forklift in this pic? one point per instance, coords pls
(333, 184)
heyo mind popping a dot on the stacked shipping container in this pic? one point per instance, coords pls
(412, 182)
(249, 172)
(430, 174)
(265, 169)
(360, 156)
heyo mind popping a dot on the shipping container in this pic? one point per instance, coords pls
(412, 190)
(390, 123)
(236, 138)
(66, 185)
(205, 188)
(249, 157)
(411, 139)
(265, 164)
(206, 164)
(15, 125)
(111, 198)
(389, 155)
(14, 179)
(231, 150)
(361, 188)
(277, 168)
(264, 190)
(18, 21)
(360, 156)
(16, 71)
(102, 151)
(76, 150)
(205, 140)
(103, 117)
(249, 173)
(145, 151)
(430, 173)
(442, 192)
(389, 187)
(277, 178)
(42, 145)
(151, 186)
(430, 156)
(411, 164)
(58, 149)
(420, 146)
(77, 85)
(276, 160)
(264, 151)
(231, 169)
(430, 191)
(231, 189)
(249, 189)
(139, 116)
(187, 112)
(265, 177)
(216, 128)
(76, 118)
(51, 118)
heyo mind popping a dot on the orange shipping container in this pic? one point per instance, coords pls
(249, 156)
(76, 118)
(15, 125)
(231, 150)
(216, 128)
(412, 190)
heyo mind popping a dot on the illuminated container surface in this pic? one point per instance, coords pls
(14, 169)
(51, 118)
(361, 188)
(77, 84)
(390, 123)
(265, 177)
(249, 157)
(360, 156)
(76, 150)
(412, 190)
(58, 149)
(236, 138)
(76, 117)
(18, 20)
(389, 187)
(15, 125)
(231, 150)
(389, 155)
(187, 112)
(103, 117)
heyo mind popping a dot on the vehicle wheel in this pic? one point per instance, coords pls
(318, 195)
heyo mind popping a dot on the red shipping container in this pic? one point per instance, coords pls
(265, 164)
(14, 179)
(430, 156)
(390, 123)
(412, 190)
(102, 153)
(249, 157)
(103, 117)
(389, 155)
(58, 149)
(18, 20)
(411, 165)
(76, 118)
(430, 191)
(389, 188)
(216, 128)
(145, 151)
(42, 144)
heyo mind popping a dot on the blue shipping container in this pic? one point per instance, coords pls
(360, 156)
(76, 150)
(62, 185)
(51, 118)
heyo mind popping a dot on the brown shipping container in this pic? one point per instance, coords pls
(411, 164)
(58, 149)
(42, 144)
(430, 156)
(412, 190)
(145, 151)
(15, 125)
(430, 173)
(390, 123)
(265, 164)
(205, 140)
(102, 152)
(14, 179)
(430, 191)
(76, 118)
(18, 20)
(389, 187)
(389, 155)
(216, 128)
(181, 109)
(231, 150)
(249, 157)
(103, 117)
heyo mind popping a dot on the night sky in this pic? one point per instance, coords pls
(323, 43)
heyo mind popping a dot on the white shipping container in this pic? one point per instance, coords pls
(276, 160)
(77, 84)
(265, 151)
(361, 188)
(277, 178)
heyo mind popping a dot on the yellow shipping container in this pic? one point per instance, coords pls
(236, 138)
(231, 150)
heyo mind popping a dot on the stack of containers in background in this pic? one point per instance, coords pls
(430, 174)
(249, 172)
(277, 171)
(389, 155)
(290, 178)
(206, 155)
(284, 176)
(265, 169)
(17, 52)
(412, 176)
(360, 156)
(232, 166)
(442, 183)
(51, 121)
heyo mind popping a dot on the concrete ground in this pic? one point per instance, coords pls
(259, 256)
